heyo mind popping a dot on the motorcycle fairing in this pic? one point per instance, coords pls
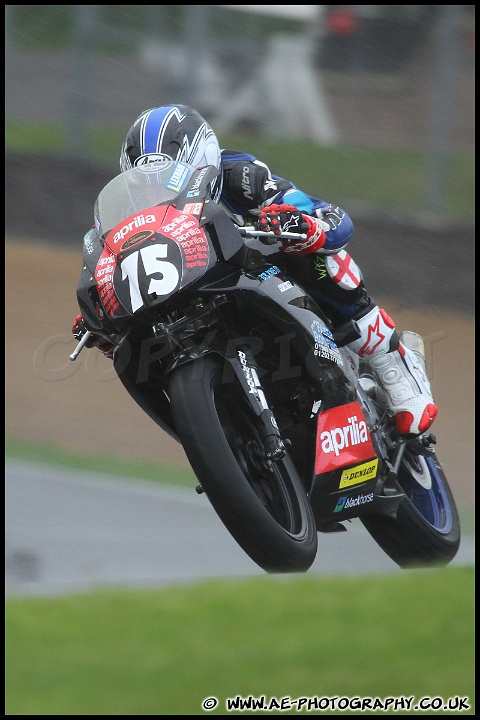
(92, 249)
(343, 439)
(148, 257)
(328, 502)
(277, 298)
(88, 301)
(346, 466)
(185, 230)
(225, 238)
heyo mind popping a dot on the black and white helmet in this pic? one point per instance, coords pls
(175, 132)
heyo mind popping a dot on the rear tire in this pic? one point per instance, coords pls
(265, 509)
(426, 530)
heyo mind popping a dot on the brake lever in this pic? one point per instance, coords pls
(80, 346)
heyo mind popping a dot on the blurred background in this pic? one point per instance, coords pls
(368, 106)
(395, 81)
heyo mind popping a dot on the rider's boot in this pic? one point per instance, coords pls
(398, 369)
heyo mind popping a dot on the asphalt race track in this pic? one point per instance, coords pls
(78, 531)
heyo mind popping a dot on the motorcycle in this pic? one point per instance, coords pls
(287, 432)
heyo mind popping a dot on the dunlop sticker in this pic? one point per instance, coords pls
(359, 474)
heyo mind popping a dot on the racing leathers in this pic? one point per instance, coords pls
(252, 194)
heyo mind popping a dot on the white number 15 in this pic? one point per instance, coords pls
(153, 263)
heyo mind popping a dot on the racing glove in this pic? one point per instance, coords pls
(79, 329)
(287, 218)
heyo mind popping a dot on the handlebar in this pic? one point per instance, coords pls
(251, 232)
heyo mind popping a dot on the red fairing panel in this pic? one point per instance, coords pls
(135, 229)
(188, 235)
(104, 279)
(158, 251)
(343, 438)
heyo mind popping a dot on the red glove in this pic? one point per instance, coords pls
(287, 218)
(79, 329)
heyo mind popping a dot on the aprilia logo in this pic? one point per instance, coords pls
(343, 437)
(137, 222)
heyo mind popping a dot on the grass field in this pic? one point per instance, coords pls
(162, 652)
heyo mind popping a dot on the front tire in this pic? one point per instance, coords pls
(426, 530)
(265, 508)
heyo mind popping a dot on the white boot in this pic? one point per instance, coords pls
(399, 370)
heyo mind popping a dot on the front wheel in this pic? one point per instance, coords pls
(263, 505)
(426, 530)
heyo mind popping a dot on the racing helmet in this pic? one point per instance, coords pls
(175, 132)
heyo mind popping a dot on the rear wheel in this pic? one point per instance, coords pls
(263, 505)
(426, 530)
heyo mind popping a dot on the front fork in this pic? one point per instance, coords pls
(246, 372)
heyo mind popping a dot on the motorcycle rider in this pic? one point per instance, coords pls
(251, 194)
